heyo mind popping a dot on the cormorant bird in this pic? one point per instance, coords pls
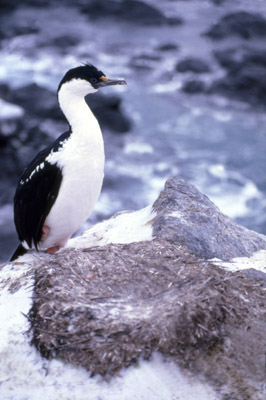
(58, 190)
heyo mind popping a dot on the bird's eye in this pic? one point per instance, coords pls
(93, 80)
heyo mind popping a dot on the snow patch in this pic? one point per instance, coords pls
(256, 261)
(124, 227)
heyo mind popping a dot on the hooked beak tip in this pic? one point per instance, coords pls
(110, 82)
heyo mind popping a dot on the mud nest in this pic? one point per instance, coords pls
(103, 308)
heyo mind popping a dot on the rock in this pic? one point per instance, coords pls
(42, 103)
(246, 75)
(144, 61)
(63, 41)
(193, 87)
(17, 27)
(36, 101)
(10, 120)
(218, 2)
(168, 47)
(186, 216)
(133, 11)
(26, 136)
(233, 58)
(243, 24)
(108, 110)
(134, 286)
(11, 117)
(192, 65)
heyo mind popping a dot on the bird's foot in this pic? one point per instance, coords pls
(45, 232)
(53, 249)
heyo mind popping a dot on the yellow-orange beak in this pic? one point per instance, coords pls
(105, 81)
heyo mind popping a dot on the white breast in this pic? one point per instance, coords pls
(81, 160)
(79, 191)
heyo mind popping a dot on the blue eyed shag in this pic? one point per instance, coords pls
(58, 190)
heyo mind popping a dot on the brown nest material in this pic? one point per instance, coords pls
(103, 308)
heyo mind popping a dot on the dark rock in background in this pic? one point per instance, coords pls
(133, 11)
(218, 2)
(109, 112)
(194, 86)
(246, 75)
(37, 101)
(64, 41)
(17, 30)
(193, 65)
(41, 103)
(168, 47)
(243, 24)
(144, 61)
(233, 59)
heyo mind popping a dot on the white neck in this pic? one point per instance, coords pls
(71, 98)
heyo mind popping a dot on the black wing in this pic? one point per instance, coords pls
(36, 193)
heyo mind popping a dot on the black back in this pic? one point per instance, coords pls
(36, 193)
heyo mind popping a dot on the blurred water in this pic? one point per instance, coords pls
(216, 144)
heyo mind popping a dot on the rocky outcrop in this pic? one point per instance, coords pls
(40, 103)
(187, 217)
(242, 24)
(142, 283)
(192, 65)
(133, 11)
(245, 75)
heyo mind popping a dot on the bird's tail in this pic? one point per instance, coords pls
(20, 251)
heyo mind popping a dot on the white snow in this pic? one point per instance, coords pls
(256, 261)
(123, 227)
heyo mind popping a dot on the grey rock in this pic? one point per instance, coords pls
(188, 217)
(133, 11)
(194, 86)
(245, 77)
(35, 100)
(254, 275)
(168, 47)
(144, 61)
(244, 24)
(193, 65)
(40, 103)
(109, 112)
(219, 2)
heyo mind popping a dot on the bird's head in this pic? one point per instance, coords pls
(87, 79)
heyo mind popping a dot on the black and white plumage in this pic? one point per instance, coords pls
(58, 190)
